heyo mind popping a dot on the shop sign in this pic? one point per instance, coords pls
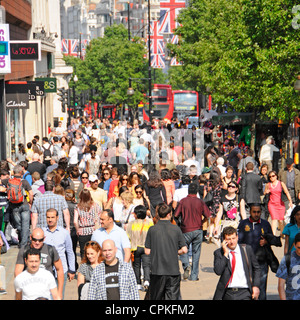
(5, 60)
(27, 50)
(17, 96)
(49, 84)
(38, 87)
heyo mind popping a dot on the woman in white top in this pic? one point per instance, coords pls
(128, 209)
(116, 205)
(73, 154)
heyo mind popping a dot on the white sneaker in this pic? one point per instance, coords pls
(146, 285)
(139, 286)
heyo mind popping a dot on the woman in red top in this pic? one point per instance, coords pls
(276, 206)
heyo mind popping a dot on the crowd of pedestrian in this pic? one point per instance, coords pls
(135, 197)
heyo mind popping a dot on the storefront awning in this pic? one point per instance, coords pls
(232, 118)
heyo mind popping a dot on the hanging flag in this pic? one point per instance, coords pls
(73, 47)
(169, 10)
(157, 45)
(158, 61)
(64, 46)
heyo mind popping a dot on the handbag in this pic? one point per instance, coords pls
(208, 198)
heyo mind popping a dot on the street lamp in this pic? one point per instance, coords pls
(130, 90)
(149, 66)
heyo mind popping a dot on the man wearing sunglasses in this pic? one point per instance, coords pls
(49, 257)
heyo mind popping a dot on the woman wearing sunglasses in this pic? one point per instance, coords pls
(229, 211)
(141, 199)
(276, 189)
(90, 260)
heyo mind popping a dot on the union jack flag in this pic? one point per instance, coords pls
(69, 47)
(169, 10)
(65, 46)
(158, 61)
(157, 45)
(73, 47)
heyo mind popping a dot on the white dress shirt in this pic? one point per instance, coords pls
(239, 279)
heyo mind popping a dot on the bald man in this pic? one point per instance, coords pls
(113, 279)
(49, 257)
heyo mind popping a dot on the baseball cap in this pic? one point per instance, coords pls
(206, 170)
(289, 161)
(93, 178)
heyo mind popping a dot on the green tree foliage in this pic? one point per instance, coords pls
(245, 52)
(109, 63)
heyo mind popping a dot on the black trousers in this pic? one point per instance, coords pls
(82, 241)
(164, 287)
(237, 294)
(141, 259)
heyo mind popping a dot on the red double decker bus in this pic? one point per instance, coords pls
(168, 103)
(185, 104)
(162, 103)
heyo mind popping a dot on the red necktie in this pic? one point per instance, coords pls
(233, 261)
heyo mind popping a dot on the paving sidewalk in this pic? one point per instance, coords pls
(190, 290)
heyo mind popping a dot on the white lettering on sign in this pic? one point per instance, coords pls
(13, 104)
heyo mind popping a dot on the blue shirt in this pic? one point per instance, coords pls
(291, 230)
(141, 152)
(27, 176)
(292, 289)
(117, 234)
(60, 238)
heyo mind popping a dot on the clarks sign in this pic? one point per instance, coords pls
(16, 95)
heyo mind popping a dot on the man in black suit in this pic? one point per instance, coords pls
(251, 187)
(238, 269)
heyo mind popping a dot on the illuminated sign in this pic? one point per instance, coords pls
(5, 65)
(25, 50)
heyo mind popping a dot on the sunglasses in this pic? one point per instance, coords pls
(92, 243)
(125, 179)
(272, 176)
(84, 177)
(139, 192)
(106, 173)
(258, 211)
(37, 240)
(231, 186)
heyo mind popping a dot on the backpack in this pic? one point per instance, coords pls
(15, 192)
(47, 154)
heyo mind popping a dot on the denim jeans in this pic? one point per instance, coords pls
(195, 238)
(264, 268)
(21, 216)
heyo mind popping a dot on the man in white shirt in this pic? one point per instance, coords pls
(182, 192)
(35, 283)
(60, 129)
(191, 161)
(266, 153)
(238, 269)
